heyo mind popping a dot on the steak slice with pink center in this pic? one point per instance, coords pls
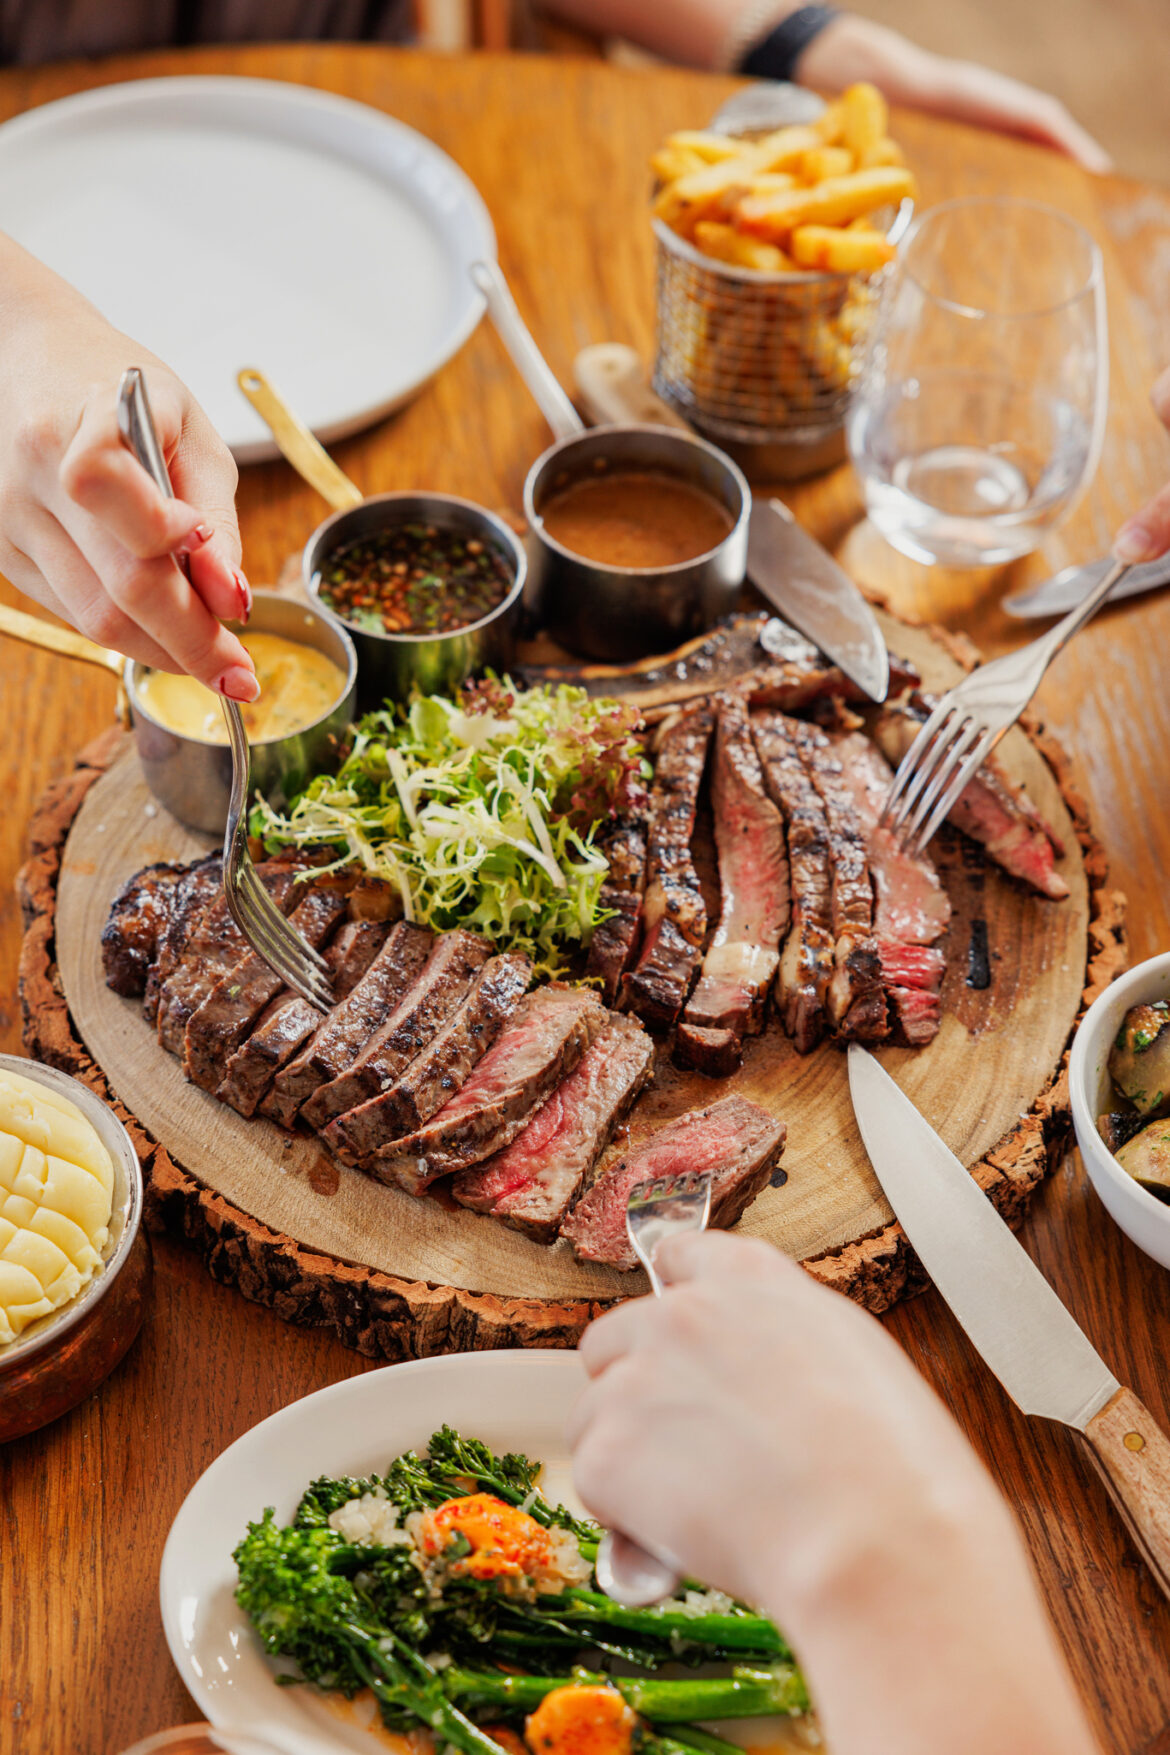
(735, 1140)
(544, 1042)
(531, 1184)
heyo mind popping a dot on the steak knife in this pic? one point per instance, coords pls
(1066, 589)
(1010, 1313)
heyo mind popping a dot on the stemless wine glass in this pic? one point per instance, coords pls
(980, 410)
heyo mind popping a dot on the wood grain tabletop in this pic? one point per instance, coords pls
(558, 149)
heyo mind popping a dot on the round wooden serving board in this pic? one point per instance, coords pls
(398, 1276)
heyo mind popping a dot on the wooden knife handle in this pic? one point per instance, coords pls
(1132, 1456)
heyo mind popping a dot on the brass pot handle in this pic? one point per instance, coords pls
(310, 459)
(52, 638)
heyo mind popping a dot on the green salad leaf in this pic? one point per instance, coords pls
(481, 811)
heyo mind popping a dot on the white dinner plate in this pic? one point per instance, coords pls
(237, 222)
(511, 1400)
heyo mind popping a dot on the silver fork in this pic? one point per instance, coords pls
(969, 721)
(272, 936)
(632, 1575)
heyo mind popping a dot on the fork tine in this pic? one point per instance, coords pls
(281, 926)
(906, 766)
(940, 780)
(283, 952)
(928, 765)
(957, 787)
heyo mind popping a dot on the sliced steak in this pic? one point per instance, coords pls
(218, 1026)
(716, 1051)
(436, 992)
(213, 945)
(531, 1184)
(733, 1139)
(992, 810)
(797, 687)
(442, 1068)
(544, 1042)
(855, 995)
(673, 913)
(913, 910)
(351, 1024)
(740, 963)
(614, 944)
(138, 919)
(288, 1021)
(197, 889)
(806, 962)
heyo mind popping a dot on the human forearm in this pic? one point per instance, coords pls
(692, 32)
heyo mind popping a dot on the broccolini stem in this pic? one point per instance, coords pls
(747, 1693)
(690, 1737)
(733, 1632)
(425, 1699)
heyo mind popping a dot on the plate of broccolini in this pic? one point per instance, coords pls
(388, 1564)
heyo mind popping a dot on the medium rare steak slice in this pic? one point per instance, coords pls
(992, 810)
(288, 1021)
(806, 962)
(856, 997)
(197, 889)
(138, 919)
(741, 961)
(673, 913)
(615, 942)
(229, 1012)
(733, 1139)
(213, 945)
(420, 1014)
(544, 1042)
(913, 910)
(531, 1184)
(434, 1076)
(351, 1024)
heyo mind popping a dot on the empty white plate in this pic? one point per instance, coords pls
(235, 222)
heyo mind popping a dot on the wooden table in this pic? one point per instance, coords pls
(558, 150)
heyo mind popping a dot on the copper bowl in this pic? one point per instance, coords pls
(64, 1356)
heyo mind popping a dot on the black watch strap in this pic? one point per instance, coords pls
(775, 56)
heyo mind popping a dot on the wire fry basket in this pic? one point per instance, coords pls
(762, 364)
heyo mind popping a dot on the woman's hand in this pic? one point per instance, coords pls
(777, 1443)
(1146, 535)
(83, 529)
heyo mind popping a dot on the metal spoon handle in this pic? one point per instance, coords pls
(527, 358)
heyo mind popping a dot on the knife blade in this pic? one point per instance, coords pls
(792, 570)
(1056, 596)
(1012, 1316)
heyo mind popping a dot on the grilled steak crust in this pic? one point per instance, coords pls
(741, 961)
(544, 1042)
(213, 945)
(673, 913)
(992, 810)
(913, 910)
(715, 1050)
(141, 912)
(422, 1011)
(352, 1022)
(288, 1021)
(796, 687)
(218, 1026)
(806, 962)
(197, 888)
(615, 942)
(531, 1183)
(736, 1141)
(441, 1069)
(856, 998)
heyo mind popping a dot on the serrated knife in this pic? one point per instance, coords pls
(1009, 1311)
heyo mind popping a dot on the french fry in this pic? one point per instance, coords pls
(832, 203)
(670, 162)
(783, 149)
(824, 161)
(865, 117)
(884, 152)
(728, 245)
(692, 197)
(836, 251)
(830, 123)
(711, 148)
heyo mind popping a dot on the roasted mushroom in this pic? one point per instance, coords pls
(1119, 1126)
(1147, 1158)
(1139, 1061)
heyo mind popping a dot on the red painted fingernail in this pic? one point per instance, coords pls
(244, 590)
(197, 538)
(238, 684)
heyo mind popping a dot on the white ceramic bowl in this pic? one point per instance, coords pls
(1142, 1216)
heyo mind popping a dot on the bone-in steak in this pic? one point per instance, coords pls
(544, 1042)
(740, 963)
(419, 1015)
(531, 1183)
(138, 920)
(733, 1139)
(289, 1021)
(352, 1023)
(441, 1069)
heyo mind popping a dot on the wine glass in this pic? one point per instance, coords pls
(978, 418)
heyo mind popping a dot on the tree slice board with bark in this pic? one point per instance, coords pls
(400, 1276)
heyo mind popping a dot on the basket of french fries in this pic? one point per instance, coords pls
(771, 250)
